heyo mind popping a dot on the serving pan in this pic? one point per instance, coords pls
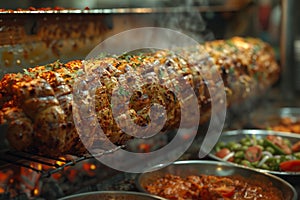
(208, 167)
(237, 135)
(112, 195)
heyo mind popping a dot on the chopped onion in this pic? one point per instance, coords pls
(265, 158)
(277, 156)
(267, 153)
(231, 154)
(291, 157)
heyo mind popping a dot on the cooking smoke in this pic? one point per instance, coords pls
(189, 21)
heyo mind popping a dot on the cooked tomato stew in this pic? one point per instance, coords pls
(210, 187)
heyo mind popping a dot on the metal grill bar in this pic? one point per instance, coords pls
(43, 157)
(23, 158)
(19, 155)
(21, 165)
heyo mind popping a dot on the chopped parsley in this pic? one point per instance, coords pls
(161, 73)
(122, 91)
(231, 70)
(256, 49)
(26, 72)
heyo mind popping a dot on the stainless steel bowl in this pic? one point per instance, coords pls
(237, 135)
(112, 195)
(198, 167)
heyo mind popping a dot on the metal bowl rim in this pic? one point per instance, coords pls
(110, 192)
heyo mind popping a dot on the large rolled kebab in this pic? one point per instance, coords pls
(36, 106)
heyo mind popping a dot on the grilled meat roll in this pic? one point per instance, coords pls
(37, 105)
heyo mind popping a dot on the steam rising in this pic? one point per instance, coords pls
(189, 21)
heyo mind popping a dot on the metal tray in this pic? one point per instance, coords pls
(198, 167)
(237, 135)
(112, 195)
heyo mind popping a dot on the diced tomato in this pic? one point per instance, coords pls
(224, 152)
(253, 153)
(225, 191)
(290, 166)
(296, 147)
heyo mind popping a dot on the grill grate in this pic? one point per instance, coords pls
(49, 165)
